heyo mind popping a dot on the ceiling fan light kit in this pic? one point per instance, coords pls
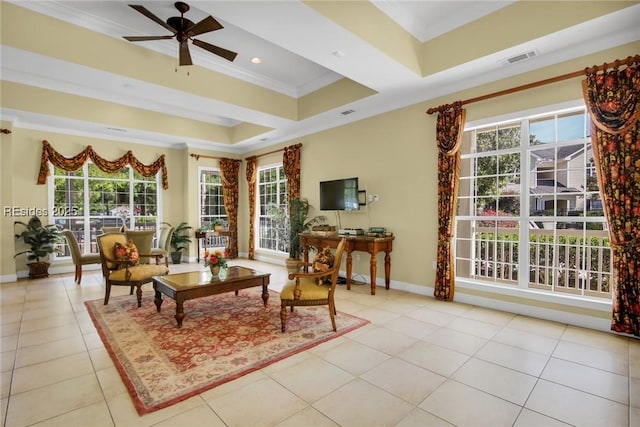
(184, 30)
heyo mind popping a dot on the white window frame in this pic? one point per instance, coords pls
(259, 208)
(216, 242)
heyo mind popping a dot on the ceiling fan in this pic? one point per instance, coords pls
(183, 30)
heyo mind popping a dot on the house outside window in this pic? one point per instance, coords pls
(529, 215)
(272, 192)
(211, 207)
(89, 199)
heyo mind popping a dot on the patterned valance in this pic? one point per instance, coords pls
(74, 163)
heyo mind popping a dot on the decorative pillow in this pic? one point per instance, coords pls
(126, 252)
(323, 260)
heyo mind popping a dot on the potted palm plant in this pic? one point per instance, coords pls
(41, 240)
(179, 241)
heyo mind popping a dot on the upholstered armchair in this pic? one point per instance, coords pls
(120, 271)
(306, 289)
(79, 259)
(164, 244)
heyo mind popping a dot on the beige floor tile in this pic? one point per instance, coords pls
(7, 360)
(457, 341)
(5, 383)
(420, 418)
(428, 315)
(634, 416)
(377, 315)
(269, 401)
(50, 350)
(474, 327)
(403, 379)
(111, 382)
(46, 402)
(200, 416)
(487, 315)
(50, 372)
(10, 329)
(535, 326)
(515, 358)
(95, 415)
(385, 340)
(592, 356)
(434, 358)
(354, 357)
(312, 379)
(308, 417)
(599, 339)
(60, 320)
(499, 381)
(529, 418)
(526, 341)
(100, 358)
(359, 403)
(634, 392)
(464, 406)
(591, 380)
(42, 336)
(9, 342)
(411, 327)
(124, 413)
(576, 407)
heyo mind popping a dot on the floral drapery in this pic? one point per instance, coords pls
(449, 130)
(291, 166)
(252, 175)
(74, 163)
(230, 171)
(613, 100)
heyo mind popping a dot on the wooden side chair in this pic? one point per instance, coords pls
(308, 289)
(164, 244)
(122, 272)
(79, 259)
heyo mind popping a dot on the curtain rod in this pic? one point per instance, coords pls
(204, 156)
(567, 76)
(271, 152)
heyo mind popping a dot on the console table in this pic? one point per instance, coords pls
(372, 245)
(204, 234)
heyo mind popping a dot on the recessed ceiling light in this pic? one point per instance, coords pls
(256, 60)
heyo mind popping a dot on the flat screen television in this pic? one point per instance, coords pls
(339, 195)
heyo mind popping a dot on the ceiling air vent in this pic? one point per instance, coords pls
(347, 112)
(521, 57)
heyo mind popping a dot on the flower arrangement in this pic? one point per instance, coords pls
(215, 259)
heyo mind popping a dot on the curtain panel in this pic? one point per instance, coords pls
(252, 176)
(291, 166)
(449, 130)
(613, 100)
(76, 162)
(230, 172)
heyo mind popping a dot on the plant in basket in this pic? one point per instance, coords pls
(215, 260)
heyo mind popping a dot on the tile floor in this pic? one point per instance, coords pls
(419, 363)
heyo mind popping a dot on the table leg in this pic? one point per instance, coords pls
(158, 300)
(387, 269)
(349, 267)
(179, 313)
(265, 294)
(198, 247)
(373, 269)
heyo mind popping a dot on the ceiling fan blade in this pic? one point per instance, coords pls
(204, 26)
(143, 10)
(185, 56)
(145, 38)
(226, 54)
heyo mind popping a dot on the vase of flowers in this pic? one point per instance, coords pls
(216, 261)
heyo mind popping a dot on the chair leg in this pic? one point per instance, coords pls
(131, 290)
(78, 274)
(283, 316)
(107, 292)
(139, 295)
(166, 261)
(332, 313)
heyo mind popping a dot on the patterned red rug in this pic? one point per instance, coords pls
(222, 338)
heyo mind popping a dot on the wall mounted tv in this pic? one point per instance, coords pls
(339, 195)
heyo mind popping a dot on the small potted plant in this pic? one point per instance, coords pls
(179, 241)
(41, 240)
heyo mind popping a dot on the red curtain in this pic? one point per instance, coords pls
(613, 100)
(291, 166)
(252, 175)
(449, 130)
(74, 163)
(230, 170)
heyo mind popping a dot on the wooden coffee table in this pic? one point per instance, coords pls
(198, 284)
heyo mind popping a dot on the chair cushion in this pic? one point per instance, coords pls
(138, 272)
(309, 290)
(126, 252)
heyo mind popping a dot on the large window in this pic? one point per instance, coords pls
(88, 199)
(212, 209)
(529, 212)
(272, 192)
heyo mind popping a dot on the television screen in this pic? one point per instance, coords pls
(339, 195)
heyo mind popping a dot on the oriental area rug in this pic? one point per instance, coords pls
(223, 337)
